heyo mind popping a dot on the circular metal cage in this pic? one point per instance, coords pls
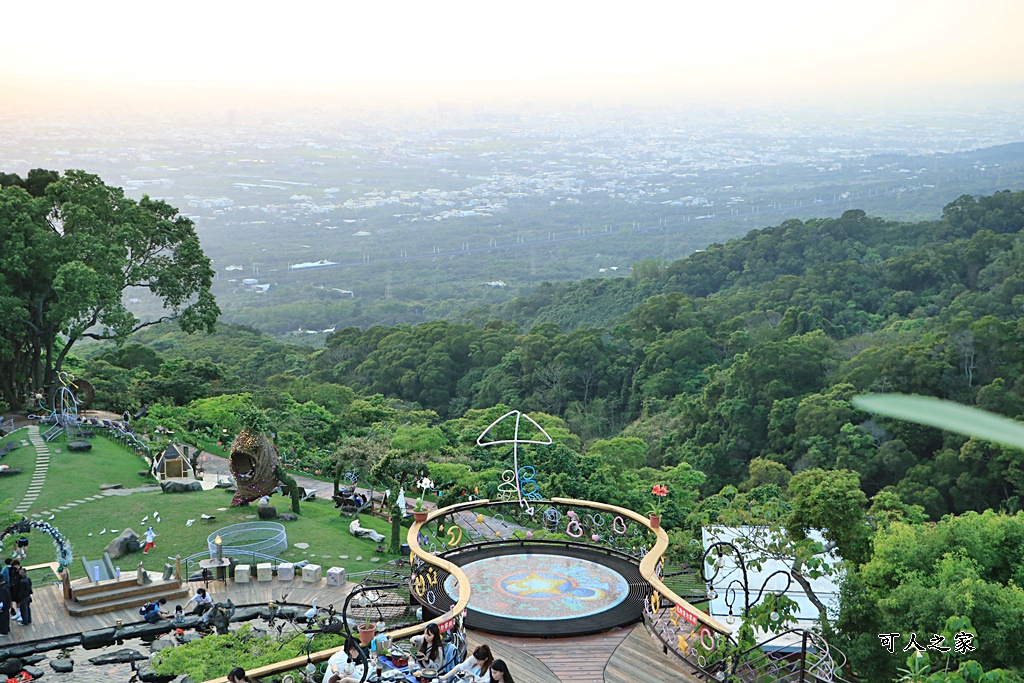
(268, 538)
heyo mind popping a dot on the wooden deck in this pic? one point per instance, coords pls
(623, 656)
(50, 618)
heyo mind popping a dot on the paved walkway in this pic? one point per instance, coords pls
(39, 476)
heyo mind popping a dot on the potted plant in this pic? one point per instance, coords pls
(367, 630)
(654, 513)
(419, 513)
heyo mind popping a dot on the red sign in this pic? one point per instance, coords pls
(446, 626)
(686, 614)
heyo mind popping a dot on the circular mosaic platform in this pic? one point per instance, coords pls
(572, 590)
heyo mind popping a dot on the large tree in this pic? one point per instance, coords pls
(71, 247)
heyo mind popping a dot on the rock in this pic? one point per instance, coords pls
(98, 638)
(180, 486)
(287, 517)
(224, 482)
(161, 644)
(267, 512)
(79, 446)
(145, 473)
(10, 472)
(300, 546)
(109, 487)
(62, 665)
(189, 637)
(33, 671)
(122, 656)
(32, 659)
(134, 546)
(10, 667)
(146, 674)
(183, 678)
(119, 546)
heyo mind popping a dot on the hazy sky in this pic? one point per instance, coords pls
(478, 50)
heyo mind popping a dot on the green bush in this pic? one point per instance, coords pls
(214, 656)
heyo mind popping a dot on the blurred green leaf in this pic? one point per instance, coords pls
(946, 415)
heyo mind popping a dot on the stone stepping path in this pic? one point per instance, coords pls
(39, 476)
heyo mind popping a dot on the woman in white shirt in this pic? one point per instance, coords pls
(476, 666)
(347, 665)
(203, 602)
(432, 652)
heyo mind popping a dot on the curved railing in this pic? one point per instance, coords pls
(587, 522)
(245, 538)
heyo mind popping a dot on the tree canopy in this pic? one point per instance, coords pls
(72, 245)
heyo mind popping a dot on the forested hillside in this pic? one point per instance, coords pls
(727, 376)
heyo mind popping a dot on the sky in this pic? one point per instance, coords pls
(361, 51)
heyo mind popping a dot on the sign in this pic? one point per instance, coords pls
(686, 614)
(446, 626)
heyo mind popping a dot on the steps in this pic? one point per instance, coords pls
(122, 593)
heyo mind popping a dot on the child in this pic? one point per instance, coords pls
(21, 552)
(179, 615)
(150, 537)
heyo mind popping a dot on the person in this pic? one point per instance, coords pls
(152, 613)
(10, 574)
(21, 551)
(349, 665)
(203, 602)
(5, 608)
(433, 653)
(179, 615)
(6, 571)
(150, 538)
(21, 592)
(237, 675)
(476, 666)
(499, 672)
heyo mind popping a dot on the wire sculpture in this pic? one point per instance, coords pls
(515, 441)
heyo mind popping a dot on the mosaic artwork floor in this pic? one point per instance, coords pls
(541, 587)
(568, 590)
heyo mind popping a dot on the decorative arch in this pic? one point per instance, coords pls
(64, 552)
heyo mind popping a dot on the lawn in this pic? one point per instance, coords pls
(24, 458)
(76, 476)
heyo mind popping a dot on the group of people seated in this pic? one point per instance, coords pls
(153, 612)
(350, 665)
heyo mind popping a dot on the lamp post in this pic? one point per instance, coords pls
(219, 542)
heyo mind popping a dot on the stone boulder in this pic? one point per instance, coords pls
(62, 665)
(146, 674)
(267, 512)
(224, 482)
(119, 546)
(169, 486)
(122, 656)
(287, 517)
(79, 446)
(33, 671)
(10, 667)
(10, 472)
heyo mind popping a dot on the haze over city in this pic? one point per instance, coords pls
(190, 53)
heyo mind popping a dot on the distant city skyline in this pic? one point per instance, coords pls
(412, 52)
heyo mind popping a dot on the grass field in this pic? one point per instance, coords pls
(76, 476)
(24, 458)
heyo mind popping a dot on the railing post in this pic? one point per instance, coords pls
(803, 658)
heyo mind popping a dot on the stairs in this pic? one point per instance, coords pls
(117, 594)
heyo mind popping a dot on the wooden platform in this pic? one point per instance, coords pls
(50, 616)
(623, 656)
(114, 595)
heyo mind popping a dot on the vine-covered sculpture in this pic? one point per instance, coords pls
(254, 465)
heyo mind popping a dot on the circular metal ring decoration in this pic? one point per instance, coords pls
(64, 552)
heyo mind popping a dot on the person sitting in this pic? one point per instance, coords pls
(203, 602)
(500, 673)
(348, 665)
(432, 652)
(476, 666)
(152, 613)
(237, 675)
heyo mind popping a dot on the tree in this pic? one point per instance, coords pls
(70, 251)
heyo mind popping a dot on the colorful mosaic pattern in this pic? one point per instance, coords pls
(541, 587)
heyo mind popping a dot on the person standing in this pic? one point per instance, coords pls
(23, 591)
(150, 538)
(5, 608)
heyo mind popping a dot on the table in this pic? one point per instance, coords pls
(220, 565)
(388, 666)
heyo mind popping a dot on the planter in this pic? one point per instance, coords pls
(655, 521)
(366, 633)
(420, 517)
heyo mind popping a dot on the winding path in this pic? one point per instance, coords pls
(39, 476)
